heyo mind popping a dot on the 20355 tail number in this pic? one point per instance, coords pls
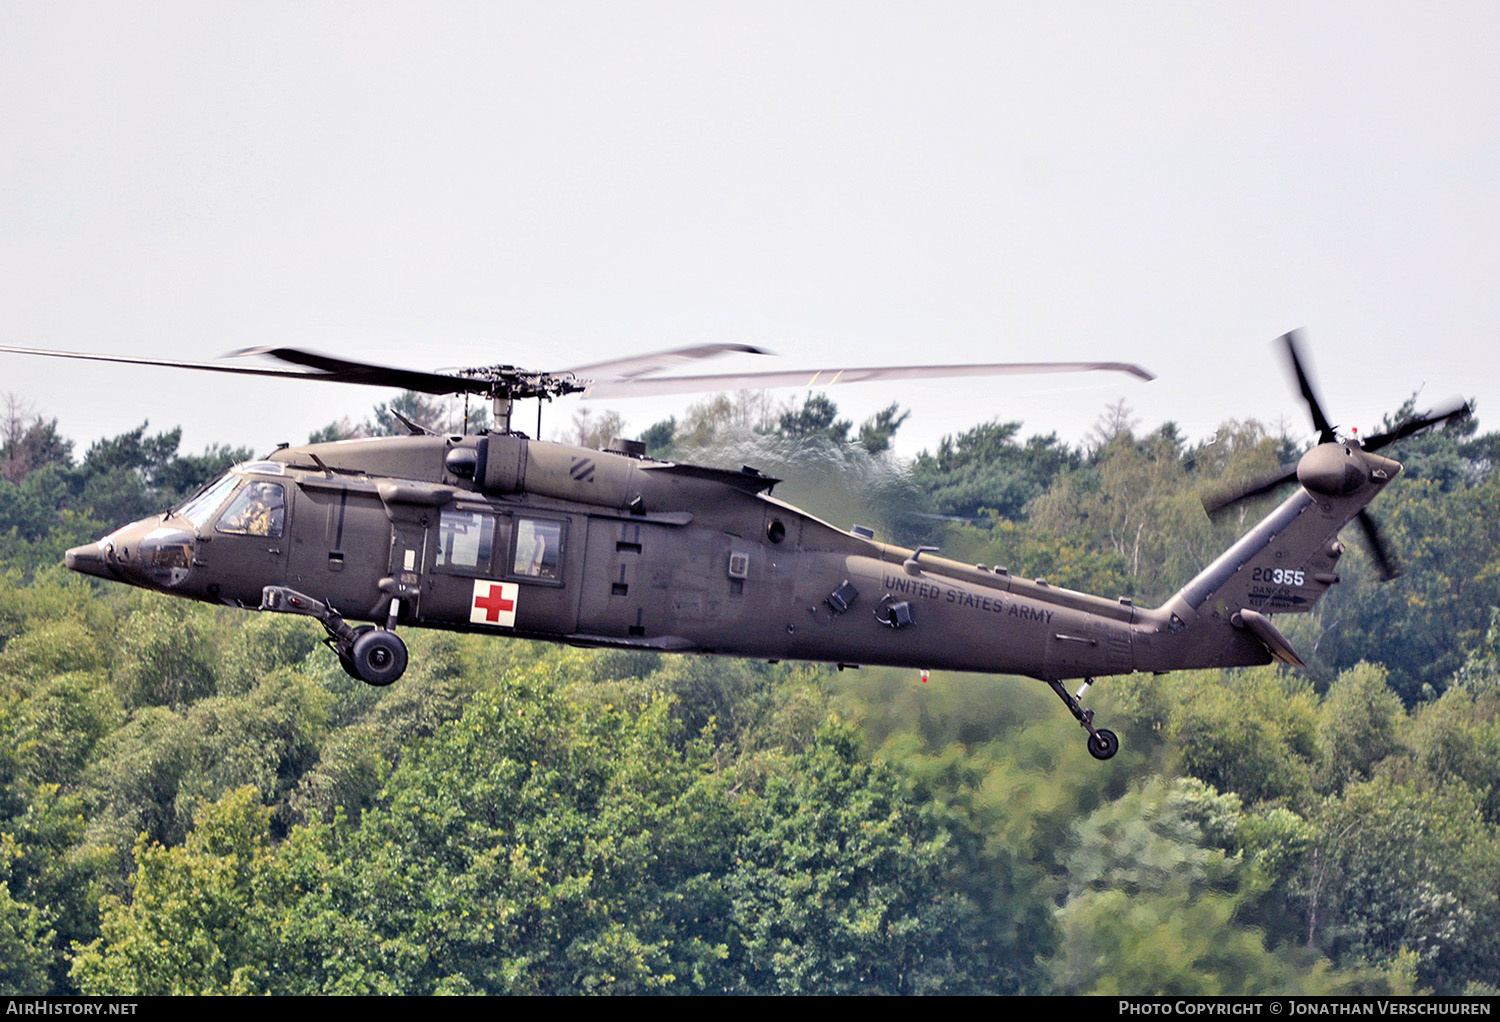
(1278, 576)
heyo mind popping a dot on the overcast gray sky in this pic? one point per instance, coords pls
(550, 184)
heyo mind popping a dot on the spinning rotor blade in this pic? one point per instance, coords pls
(213, 367)
(627, 377)
(1459, 411)
(637, 366)
(1217, 503)
(1380, 551)
(1320, 421)
(329, 370)
(828, 377)
(340, 370)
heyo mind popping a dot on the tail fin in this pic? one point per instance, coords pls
(1281, 566)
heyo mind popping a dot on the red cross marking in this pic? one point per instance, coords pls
(495, 603)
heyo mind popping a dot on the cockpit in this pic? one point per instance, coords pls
(160, 551)
(259, 509)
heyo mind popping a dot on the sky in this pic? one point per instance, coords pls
(547, 185)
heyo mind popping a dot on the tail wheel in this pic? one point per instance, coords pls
(1103, 743)
(378, 657)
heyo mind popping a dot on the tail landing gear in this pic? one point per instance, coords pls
(1103, 743)
(375, 656)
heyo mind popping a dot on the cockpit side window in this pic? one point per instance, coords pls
(257, 510)
(201, 508)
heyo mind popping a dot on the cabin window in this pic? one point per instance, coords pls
(466, 539)
(257, 510)
(538, 550)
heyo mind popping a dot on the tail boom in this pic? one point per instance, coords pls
(1283, 565)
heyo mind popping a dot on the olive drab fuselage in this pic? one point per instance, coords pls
(548, 541)
(508, 536)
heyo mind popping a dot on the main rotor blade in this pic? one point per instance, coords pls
(1292, 340)
(1380, 552)
(342, 370)
(1460, 410)
(213, 367)
(829, 377)
(330, 370)
(637, 366)
(1217, 503)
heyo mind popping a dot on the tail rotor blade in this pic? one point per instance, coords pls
(1456, 411)
(1292, 342)
(1217, 503)
(1380, 552)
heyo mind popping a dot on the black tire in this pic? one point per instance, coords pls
(1103, 743)
(348, 664)
(378, 657)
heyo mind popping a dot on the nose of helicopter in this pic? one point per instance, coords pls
(148, 553)
(88, 560)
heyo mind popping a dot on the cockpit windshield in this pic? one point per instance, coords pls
(202, 507)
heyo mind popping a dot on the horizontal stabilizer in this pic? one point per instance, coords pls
(1276, 644)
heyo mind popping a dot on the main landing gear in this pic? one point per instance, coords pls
(1103, 743)
(375, 656)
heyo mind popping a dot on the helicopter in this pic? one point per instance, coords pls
(503, 534)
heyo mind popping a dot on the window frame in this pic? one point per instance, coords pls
(510, 572)
(484, 567)
(279, 532)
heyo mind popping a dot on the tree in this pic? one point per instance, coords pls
(1397, 868)
(841, 884)
(817, 416)
(29, 442)
(535, 846)
(659, 436)
(1161, 882)
(593, 432)
(201, 917)
(986, 467)
(876, 432)
(1359, 725)
(1250, 732)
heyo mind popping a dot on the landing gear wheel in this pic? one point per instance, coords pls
(345, 662)
(1102, 742)
(378, 657)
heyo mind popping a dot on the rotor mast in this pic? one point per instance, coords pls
(504, 385)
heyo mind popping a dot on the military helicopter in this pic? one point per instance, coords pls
(501, 533)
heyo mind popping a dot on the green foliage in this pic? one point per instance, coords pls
(986, 467)
(534, 846)
(1419, 625)
(1359, 725)
(1458, 737)
(659, 436)
(1253, 732)
(839, 884)
(1400, 869)
(876, 432)
(816, 416)
(25, 941)
(165, 657)
(1071, 561)
(197, 920)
